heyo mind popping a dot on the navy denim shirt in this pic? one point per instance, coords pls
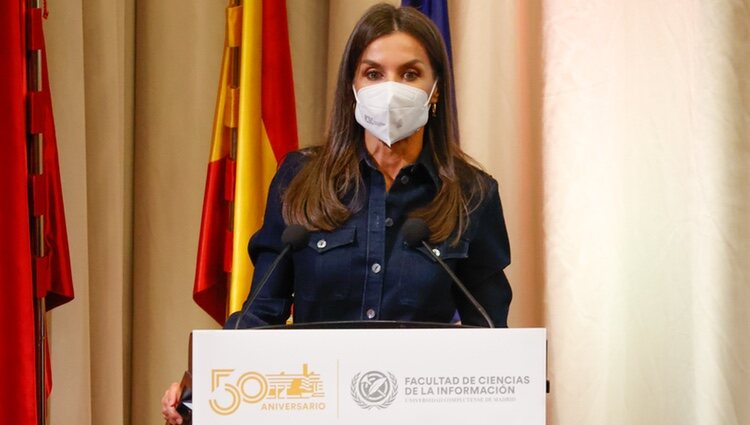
(364, 270)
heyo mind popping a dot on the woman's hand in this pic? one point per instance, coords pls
(168, 404)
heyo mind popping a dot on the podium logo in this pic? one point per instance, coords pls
(374, 389)
(279, 391)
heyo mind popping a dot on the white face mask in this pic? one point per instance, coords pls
(392, 111)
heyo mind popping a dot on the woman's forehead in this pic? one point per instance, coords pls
(395, 48)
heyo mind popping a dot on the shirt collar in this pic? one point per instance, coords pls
(424, 160)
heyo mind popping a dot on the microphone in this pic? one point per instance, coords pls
(294, 238)
(416, 233)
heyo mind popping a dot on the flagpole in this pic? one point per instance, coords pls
(36, 168)
(234, 82)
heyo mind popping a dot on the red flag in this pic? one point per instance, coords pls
(54, 277)
(17, 364)
(23, 195)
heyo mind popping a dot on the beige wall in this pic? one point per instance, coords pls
(177, 65)
(70, 336)
(498, 90)
(619, 135)
(647, 212)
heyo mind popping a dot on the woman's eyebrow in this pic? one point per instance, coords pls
(412, 63)
(374, 64)
(369, 62)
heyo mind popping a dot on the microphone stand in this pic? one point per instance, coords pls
(461, 286)
(262, 283)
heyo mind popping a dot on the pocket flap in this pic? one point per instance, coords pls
(326, 241)
(446, 252)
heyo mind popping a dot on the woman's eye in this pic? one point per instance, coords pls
(410, 76)
(372, 75)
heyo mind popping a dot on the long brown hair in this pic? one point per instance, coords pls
(315, 196)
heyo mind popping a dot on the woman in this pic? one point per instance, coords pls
(392, 153)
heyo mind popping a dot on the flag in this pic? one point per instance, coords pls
(256, 108)
(53, 278)
(53, 272)
(437, 10)
(24, 196)
(17, 365)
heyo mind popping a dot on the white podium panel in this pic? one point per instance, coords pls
(369, 376)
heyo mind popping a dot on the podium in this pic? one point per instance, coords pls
(369, 373)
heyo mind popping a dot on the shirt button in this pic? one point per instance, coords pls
(404, 179)
(370, 314)
(436, 252)
(321, 244)
(388, 222)
(376, 268)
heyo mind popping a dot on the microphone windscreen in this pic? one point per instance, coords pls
(295, 235)
(415, 231)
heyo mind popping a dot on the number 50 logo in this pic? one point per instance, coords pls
(233, 394)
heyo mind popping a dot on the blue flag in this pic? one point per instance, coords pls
(437, 10)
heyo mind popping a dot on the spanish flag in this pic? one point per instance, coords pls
(254, 127)
(33, 264)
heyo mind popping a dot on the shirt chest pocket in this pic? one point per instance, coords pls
(323, 270)
(423, 282)
(446, 252)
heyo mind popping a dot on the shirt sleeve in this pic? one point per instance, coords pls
(483, 270)
(273, 304)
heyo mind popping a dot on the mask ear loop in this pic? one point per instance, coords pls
(433, 107)
(429, 96)
(356, 99)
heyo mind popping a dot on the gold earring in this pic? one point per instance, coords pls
(434, 109)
